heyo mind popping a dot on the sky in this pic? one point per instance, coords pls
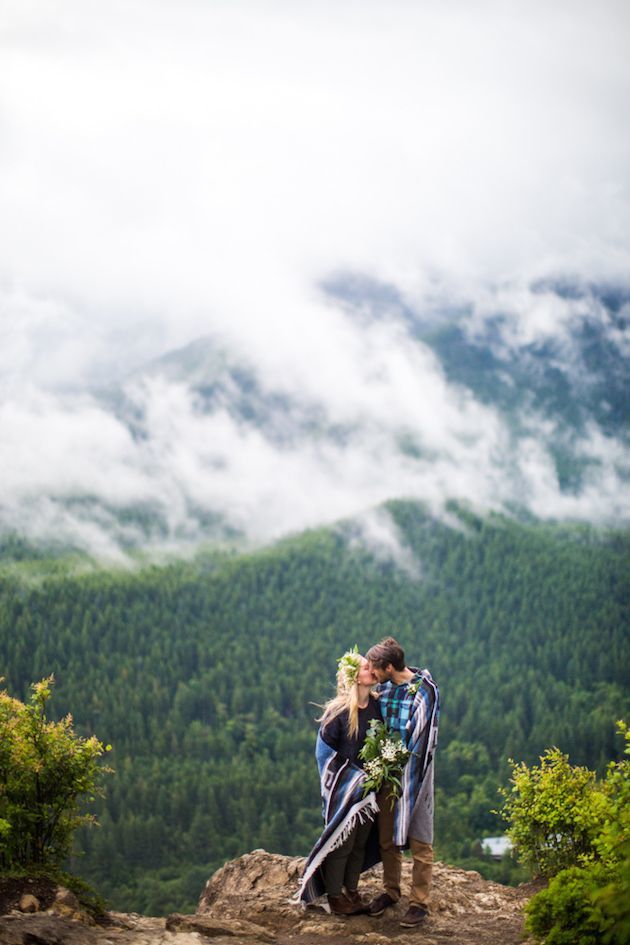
(177, 170)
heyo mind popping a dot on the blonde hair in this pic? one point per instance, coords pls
(346, 700)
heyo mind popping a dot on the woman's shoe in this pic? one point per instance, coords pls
(341, 905)
(354, 896)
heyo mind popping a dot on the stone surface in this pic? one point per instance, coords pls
(252, 874)
(44, 929)
(266, 884)
(239, 929)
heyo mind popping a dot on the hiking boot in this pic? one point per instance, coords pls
(380, 904)
(355, 897)
(414, 915)
(341, 905)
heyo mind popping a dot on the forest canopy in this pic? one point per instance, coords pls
(203, 676)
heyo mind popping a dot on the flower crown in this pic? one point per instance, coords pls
(348, 667)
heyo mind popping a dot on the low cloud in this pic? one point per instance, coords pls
(172, 171)
(162, 465)
(377, 531)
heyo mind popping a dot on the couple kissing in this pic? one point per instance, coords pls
(374, 750)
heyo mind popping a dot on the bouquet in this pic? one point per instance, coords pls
(384, 757)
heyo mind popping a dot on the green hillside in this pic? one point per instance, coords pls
(201, 674)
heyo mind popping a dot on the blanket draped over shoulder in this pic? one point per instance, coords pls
(343, 808)
(421, 740)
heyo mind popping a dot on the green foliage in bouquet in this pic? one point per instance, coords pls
(384, 757)
(576, 830)
(46, 769)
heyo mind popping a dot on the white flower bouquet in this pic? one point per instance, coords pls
(384, 757)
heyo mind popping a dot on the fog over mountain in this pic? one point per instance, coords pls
(265, 265)
(205, 442)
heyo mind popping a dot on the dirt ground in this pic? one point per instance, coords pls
(459, 930)
(12, 889)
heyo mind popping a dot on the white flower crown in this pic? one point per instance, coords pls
(348, 667)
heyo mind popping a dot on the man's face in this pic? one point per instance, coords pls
(382, 675)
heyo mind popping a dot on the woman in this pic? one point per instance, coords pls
(340, 854)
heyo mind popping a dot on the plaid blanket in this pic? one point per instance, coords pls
(343, 807)
(420, 737)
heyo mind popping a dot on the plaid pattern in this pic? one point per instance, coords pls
(416, 717)
(396, 704)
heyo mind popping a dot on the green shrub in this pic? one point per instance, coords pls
(613, 847)
(613, 900)
(46, 769)
(575, 829)
(555, 811)
(565, 912)
(587, 905)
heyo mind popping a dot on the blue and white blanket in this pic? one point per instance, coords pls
(343, 808)
(414, 810)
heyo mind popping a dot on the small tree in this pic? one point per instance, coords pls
(45, 771)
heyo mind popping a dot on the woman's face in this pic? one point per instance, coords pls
(365, 675)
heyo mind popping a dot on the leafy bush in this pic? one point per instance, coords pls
(571, 827)
(587, 905)
(613, 847)
(565, 913)
(613, 900)
(45, 771)
(556, 811)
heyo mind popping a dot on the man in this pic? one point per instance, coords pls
(409, 702)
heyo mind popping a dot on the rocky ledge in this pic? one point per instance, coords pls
(249, 901)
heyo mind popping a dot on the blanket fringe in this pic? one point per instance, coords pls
(366, 810)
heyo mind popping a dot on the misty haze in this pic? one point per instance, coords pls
(234, 305)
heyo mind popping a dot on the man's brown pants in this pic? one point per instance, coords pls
(391, 855)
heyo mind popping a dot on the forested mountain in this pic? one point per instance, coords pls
(203, 673)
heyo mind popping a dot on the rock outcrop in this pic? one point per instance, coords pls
(250, 901)
(465, 907)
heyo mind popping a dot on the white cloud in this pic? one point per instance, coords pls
(65, 449)
(175, 169)
(198, 159)
(377, 531)
(603, 497)
(189, 461)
